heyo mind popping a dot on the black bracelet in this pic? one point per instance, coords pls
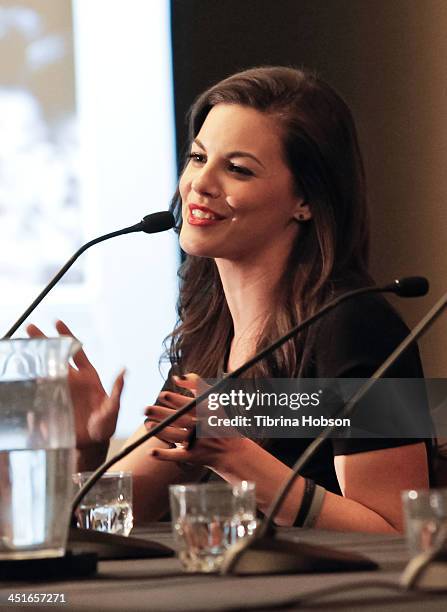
(308, 495)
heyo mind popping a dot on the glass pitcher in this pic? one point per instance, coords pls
(37, 446)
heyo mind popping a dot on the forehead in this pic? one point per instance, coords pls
(231, 127)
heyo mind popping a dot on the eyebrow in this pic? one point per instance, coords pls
(234, 153)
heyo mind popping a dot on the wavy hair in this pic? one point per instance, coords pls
(330, 253)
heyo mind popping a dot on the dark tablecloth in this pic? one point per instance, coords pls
(160, 584)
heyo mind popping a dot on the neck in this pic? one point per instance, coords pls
(251, 289)
(249, 295)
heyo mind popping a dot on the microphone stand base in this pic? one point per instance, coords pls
(426, 572)
(112, 546)
(269, 555)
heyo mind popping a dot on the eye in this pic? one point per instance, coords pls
(240, 170)
(199, 158)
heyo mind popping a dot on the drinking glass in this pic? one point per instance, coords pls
(425, 514)
(108, 504)
(208, 518)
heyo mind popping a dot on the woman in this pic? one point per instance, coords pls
(273, 220)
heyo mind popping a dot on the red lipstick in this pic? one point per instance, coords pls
(211, 219)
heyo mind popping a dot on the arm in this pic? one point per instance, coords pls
(96, 414)
(374, 480)
(370, 481)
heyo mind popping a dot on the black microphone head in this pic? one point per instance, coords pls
(157, 222)
(410, 286)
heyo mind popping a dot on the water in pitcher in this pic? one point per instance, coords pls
(29, 525)
(37, 441)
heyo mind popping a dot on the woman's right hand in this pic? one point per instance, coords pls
(95, 412)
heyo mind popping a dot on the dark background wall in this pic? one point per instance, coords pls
(387, 58)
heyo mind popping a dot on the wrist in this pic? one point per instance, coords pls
(88, 458)
(230, 462)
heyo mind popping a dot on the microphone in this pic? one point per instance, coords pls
(151, 224)
(410, 286)
(407, 287)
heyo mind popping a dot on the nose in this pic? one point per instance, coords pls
(205, 182)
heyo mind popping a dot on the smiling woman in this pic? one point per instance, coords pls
(295, 220)
(271, 206)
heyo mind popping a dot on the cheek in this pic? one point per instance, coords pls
(254, 204)
(186, 179)
(184, 185)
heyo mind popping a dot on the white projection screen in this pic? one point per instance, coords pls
(88, 147)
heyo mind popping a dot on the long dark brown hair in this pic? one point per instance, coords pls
(330, 253)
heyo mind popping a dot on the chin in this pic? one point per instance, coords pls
(218, 246)
(198, 248)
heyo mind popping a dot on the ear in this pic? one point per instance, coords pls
(302, 212)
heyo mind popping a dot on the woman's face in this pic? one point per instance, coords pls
(238, 197)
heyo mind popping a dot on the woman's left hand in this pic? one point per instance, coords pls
(210, 452)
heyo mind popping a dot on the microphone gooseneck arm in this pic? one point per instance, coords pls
(151, 223)
(409, 287)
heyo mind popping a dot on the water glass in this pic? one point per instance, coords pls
(425, 513)
(108, 504)
(208, 518)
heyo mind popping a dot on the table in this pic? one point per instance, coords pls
(160, 584)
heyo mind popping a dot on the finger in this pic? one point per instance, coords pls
(176, 400)
(160, 435)
(169, 434)
(149, 425)
(80, 359)
(191, 381)
(117, 389)
(159, 413)
(178, 454)
(34, 332)
(102, 424)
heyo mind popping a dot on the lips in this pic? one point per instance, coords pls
(202, 215)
